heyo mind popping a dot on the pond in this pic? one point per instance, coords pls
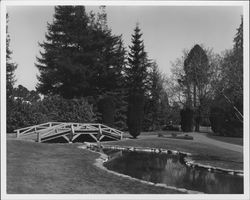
(172, 171)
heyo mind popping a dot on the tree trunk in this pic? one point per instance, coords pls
(197, 112)
(197, 119)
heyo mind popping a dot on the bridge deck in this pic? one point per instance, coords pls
(67, 130)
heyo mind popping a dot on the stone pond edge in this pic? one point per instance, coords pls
(187, 159)
(104, 158)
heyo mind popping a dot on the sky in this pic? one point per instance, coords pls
(167, 31)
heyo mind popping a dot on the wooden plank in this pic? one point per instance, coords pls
(75, 136)
(47, 130)
(101, 137)
(66, 138)
(20, 129)
(112, 137)
(93, 137)
(38, 137)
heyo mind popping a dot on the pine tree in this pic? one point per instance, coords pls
(10, 66)
(81, 56)
(137, 82)
(156, 89)
(238, 39)
(10, 78)
(226, 114)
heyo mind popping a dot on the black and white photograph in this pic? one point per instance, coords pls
(125, 100)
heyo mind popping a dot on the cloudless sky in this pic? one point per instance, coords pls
(167, 30)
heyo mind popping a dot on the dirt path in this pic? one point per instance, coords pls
(202, 138)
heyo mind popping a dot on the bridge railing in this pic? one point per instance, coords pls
(54, 128)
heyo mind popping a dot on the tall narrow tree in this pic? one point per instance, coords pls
(196, 67)
(153, 98)
(10, 66)
(137, 79)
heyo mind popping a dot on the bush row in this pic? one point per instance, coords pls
(224, 122)
(21, 114)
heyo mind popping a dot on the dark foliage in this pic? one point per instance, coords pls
(224, 121)
(135, 113)
(81, 56)
(107, 108)
(10, 66)
(52, 108)
(171, 127)
(24, 94)
(226, 114)
(156, 101)
(137, 82)
(121, 108)
(187, 115)
(196, 67)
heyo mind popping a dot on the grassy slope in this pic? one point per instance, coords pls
(34, 168)
(231, 140)
(203, 153)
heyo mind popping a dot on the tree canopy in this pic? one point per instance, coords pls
(81, 56)
(10, 66)
(137, 82)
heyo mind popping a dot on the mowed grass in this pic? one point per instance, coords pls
(202, 153)
(35, 168)
(231, 140)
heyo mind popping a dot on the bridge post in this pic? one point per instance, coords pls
(17, 133)
(99, 135)
(38, 137)
(71, 133)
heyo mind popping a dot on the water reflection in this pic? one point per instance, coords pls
(171, 170)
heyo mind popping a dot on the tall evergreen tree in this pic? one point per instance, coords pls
(10, 66)
(153, 98)
(137, 82)
(196, 67)
(81, 56)
(10, 77)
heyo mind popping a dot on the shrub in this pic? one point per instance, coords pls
(55, 108)
(21, 114)
(171, 128)
(187, 119)
(160, 135)
(225, 123)
(107, 108)
(217, 119)
(173, 134)
(135, 114)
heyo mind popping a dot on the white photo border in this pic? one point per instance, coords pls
(244, 4)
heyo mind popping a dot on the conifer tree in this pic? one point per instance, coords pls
(81, 56)
(196, 67)
(226, 114)
(10, 66)
(137, 82)
(10, 77)
(152, 110)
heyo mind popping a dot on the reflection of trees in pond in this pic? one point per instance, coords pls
(169, 169)
(173, 172)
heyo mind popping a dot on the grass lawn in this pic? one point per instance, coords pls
(153, 133)
(203, 153)
(232, 140)
(35, 168)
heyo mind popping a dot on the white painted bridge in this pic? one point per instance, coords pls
(70, 132)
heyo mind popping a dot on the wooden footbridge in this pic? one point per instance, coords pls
(70, 132)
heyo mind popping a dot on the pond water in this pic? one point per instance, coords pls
(172, 171)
